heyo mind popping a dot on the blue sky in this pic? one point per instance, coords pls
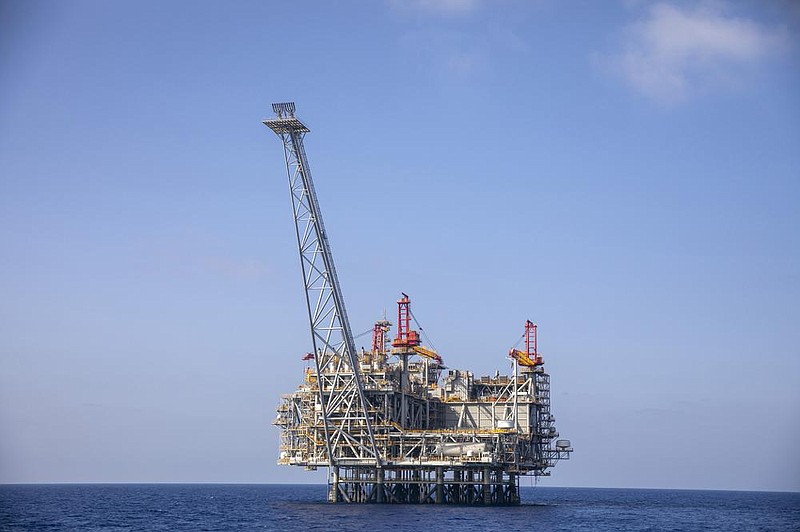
(626, 174)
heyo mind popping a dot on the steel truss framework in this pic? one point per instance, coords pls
(433, 450)
(384, 428)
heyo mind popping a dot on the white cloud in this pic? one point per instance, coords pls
(672, 53)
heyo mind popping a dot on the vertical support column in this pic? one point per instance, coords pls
(379, 494)
(404, 389)
(513, 490)
(498, 488)
(333, 486)
(439, 485)
(487, 488)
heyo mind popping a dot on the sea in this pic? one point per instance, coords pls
(196, 507)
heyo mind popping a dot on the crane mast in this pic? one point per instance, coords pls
(348, 434)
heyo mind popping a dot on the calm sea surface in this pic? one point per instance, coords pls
(291, 507)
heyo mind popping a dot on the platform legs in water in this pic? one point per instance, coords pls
(480, 486)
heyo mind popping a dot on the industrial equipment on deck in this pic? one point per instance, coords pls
(386, 424)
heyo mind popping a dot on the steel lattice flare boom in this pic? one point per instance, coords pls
(347, 431)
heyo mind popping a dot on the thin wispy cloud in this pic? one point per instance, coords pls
(452, 50)
(672, 53)
(460, 39)
(448, 50)
(437, 6)
(236, 268)
(189, 253)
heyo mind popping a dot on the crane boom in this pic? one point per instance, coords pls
(347, 432)
(427, 353)
(522, 358)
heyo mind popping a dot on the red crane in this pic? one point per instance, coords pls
(408, 339)
(405, 336)
(530, 357)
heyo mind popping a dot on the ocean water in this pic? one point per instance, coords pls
(121, 507)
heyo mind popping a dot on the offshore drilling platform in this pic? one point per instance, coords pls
(388, 425)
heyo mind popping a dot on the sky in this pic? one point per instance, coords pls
(626, 174)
